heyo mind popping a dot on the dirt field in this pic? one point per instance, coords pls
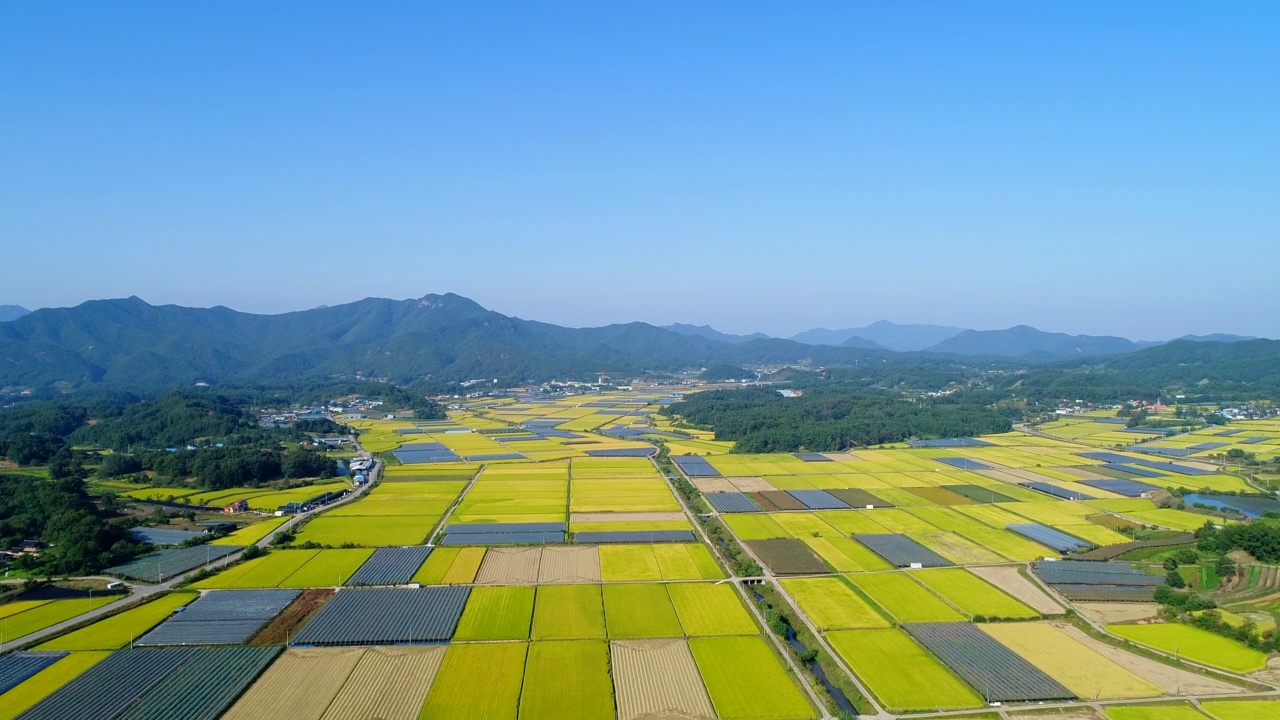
(509, 566)
(293, 617)
(1107, 613)
(782, 500)
(713, 484)
(1270, 674)
(751, 484)
(658, 679)
(606, 517)
(1170, 679)
(303, 681)
(1006, 578)
(569, 565)
(389, 683)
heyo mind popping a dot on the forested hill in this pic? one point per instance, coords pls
(129, 343)
(1244, 370)
(833, 415)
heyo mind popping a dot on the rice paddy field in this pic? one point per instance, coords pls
(643, 626)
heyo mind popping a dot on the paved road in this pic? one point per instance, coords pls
(141, 592)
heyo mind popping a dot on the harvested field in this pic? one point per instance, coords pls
(658, 679)
(553, 667)
(1008, 579)
(389, 683)
(710, 609)
(292, 617)
(1107, 613)
(568, 612)
(782, 500)
(497, 613)
(713, 484)
(569, 565)
(1170, 680)
(623, 517)
(510, 566)
(303, 680)
(940, 496)
(751, 484)
(788, 557)
(746, 681)
(639, 611)
(480, 681)
(1081, 670)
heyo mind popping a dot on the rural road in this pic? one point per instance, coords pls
(141, 592)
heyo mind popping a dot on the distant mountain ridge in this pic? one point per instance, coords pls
(1028, 343)
(710, 333)
(130, 343)
(902, 338)
(12, 312)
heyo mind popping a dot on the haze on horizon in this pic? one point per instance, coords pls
(1089, 168)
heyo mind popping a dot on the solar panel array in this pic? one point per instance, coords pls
(992, 669)
(390, 566)
(818, 499)
(1202, 447)
(1133, 470)
(162, 536)
(1056, 491)
(732, 502)
(857, 497)
(1128, 488)
(107, 689)
(901, 551)
(964, 463)
(517, 438)
(695, 466)
(425, 452)
(1049, 537)
(634, 536)
(18, 666)
(1253, 440)
(623, 452)
(536, 533)
(1095, 573)
(1110, 457)
(1232, 431)
(812, 457)
(487, 457)
(376, 616)
(220, 617)
(163, 564)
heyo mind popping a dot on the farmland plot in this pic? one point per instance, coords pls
(1242, 709)
(658, 678)
(329, 568)
(118, 630)
(904, 599)
(788, 557)
(1011, 581)
(369, 616)
(972, 595)
(304, 680)
(832, 604)
(510, 566)
(1083, 671)
(710, 609)
(552, 667)
(568, 612)
(639, 611)
(746, 681)
(389, 683)
(900, 673)
(569, 565)
(629, 562)
(108, 688)
(497, 613)
(1194, 644)
(477, 682)
(261, 572)
(992, 669)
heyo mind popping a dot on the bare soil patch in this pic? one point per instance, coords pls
(751, 484)
(293, 617)
(1006, 578)
(1109, 613)
(510, 566)
(569, 565)
(713, 484)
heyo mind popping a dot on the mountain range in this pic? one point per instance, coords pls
(12, 312)
(130, 343)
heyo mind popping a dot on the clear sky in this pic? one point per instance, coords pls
(1087, 167)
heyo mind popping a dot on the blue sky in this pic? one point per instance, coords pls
(1085, 167)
